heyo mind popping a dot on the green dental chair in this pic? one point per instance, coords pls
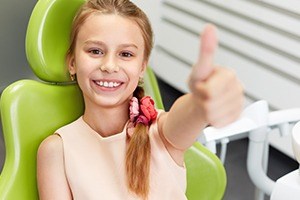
(31, 110)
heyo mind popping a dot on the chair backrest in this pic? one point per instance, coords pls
(32, 110)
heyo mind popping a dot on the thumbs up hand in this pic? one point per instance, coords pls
(216, 90)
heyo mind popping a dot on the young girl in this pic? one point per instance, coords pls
(122, 148)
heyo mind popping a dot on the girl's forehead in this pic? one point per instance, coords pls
(111, 27)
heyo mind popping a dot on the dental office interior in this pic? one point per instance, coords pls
(258, 39)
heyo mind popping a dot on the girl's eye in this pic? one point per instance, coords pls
(126, 54)
(96, 51)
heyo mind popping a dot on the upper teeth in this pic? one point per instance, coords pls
(108, 84)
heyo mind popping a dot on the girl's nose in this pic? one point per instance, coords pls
(109, 64)
(109, 68)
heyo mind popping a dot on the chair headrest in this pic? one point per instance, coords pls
(47, 38)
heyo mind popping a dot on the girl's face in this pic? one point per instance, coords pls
(108, 59)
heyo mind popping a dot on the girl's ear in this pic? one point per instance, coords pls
(71, 64)
(144, 68)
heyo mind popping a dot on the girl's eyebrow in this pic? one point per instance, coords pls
(96, 42)
(129, 45)
(100, 43)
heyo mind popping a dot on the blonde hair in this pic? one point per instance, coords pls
(137, 161)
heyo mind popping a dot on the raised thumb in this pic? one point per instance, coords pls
(209, 44)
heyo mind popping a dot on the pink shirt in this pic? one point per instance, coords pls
(94, 165)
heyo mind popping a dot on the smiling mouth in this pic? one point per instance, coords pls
(108, 84)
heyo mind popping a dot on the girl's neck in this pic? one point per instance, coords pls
(107, 121)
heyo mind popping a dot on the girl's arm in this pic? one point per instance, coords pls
(52, 182)
(216, 98)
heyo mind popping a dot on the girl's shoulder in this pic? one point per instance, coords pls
(50, 146)
(51, 170)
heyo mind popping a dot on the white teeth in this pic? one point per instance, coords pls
(108, 84)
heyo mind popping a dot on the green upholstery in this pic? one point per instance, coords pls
(32, 110)
(47, 38)
(206, 176)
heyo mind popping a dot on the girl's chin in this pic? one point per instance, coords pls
(112, 102)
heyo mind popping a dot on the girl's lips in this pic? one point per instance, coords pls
(108, 84)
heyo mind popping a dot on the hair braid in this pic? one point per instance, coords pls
(138, 157)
